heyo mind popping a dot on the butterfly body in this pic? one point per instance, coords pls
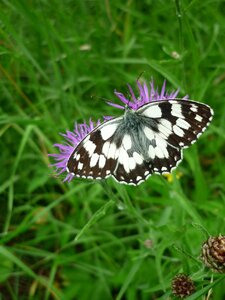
(141, 142)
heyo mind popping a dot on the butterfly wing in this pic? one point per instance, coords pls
(143, 152)
(135, 169)
(167, 128)
(96, 156)
(171, 126)
(179, 122)
(131, 167)
(131, 155)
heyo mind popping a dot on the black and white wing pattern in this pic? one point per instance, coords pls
(141, 142)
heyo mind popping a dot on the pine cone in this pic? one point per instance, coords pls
(213, 253)
(182, 286)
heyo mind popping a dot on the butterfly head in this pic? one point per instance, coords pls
(128, 109)
(131, 119)
(129, 112)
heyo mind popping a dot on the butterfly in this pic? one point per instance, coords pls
(148, 140)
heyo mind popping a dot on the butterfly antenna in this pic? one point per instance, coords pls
(101, 98)
(140, 75)
(129, 99)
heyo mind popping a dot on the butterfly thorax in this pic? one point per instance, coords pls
(130, 120)
(132, 124)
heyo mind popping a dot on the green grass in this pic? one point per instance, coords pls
(87, 239)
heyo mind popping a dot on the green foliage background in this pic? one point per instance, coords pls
(102, 240)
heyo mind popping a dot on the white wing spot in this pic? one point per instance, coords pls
(166, 123)
(132, 163)
(165, 152)
(178, 131)
(117, 153)
(165, 128)
(151, 152)
(138, 178)
(176, 110)
(112, 151)
(127, 143)
(182, 123)
(138, 158)
(124, 160)
(108, 130)
(194, 108)
(198, 118)
(153, 111)
(94, 160)
(78, 157)
(158, 152)
(149, 133)
(163, 132)
(80, 166)
(161, 147)
(90, 147)
(105, 148)
(101, 161)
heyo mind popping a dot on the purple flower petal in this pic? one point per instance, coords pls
(115, 105)
(147, 94)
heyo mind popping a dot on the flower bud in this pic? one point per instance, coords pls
(182, 286)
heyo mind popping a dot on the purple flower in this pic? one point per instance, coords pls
(147, 94)
(72, 139)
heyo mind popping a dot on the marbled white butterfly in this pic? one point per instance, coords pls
(141, 142)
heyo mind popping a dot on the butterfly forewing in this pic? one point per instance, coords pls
(148, 140)
(95, 157)
(179, 122)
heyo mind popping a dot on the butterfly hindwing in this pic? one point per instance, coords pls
(131, 167)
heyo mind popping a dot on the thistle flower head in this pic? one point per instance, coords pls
(147, 94)
(182, 286)
(213, 253)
